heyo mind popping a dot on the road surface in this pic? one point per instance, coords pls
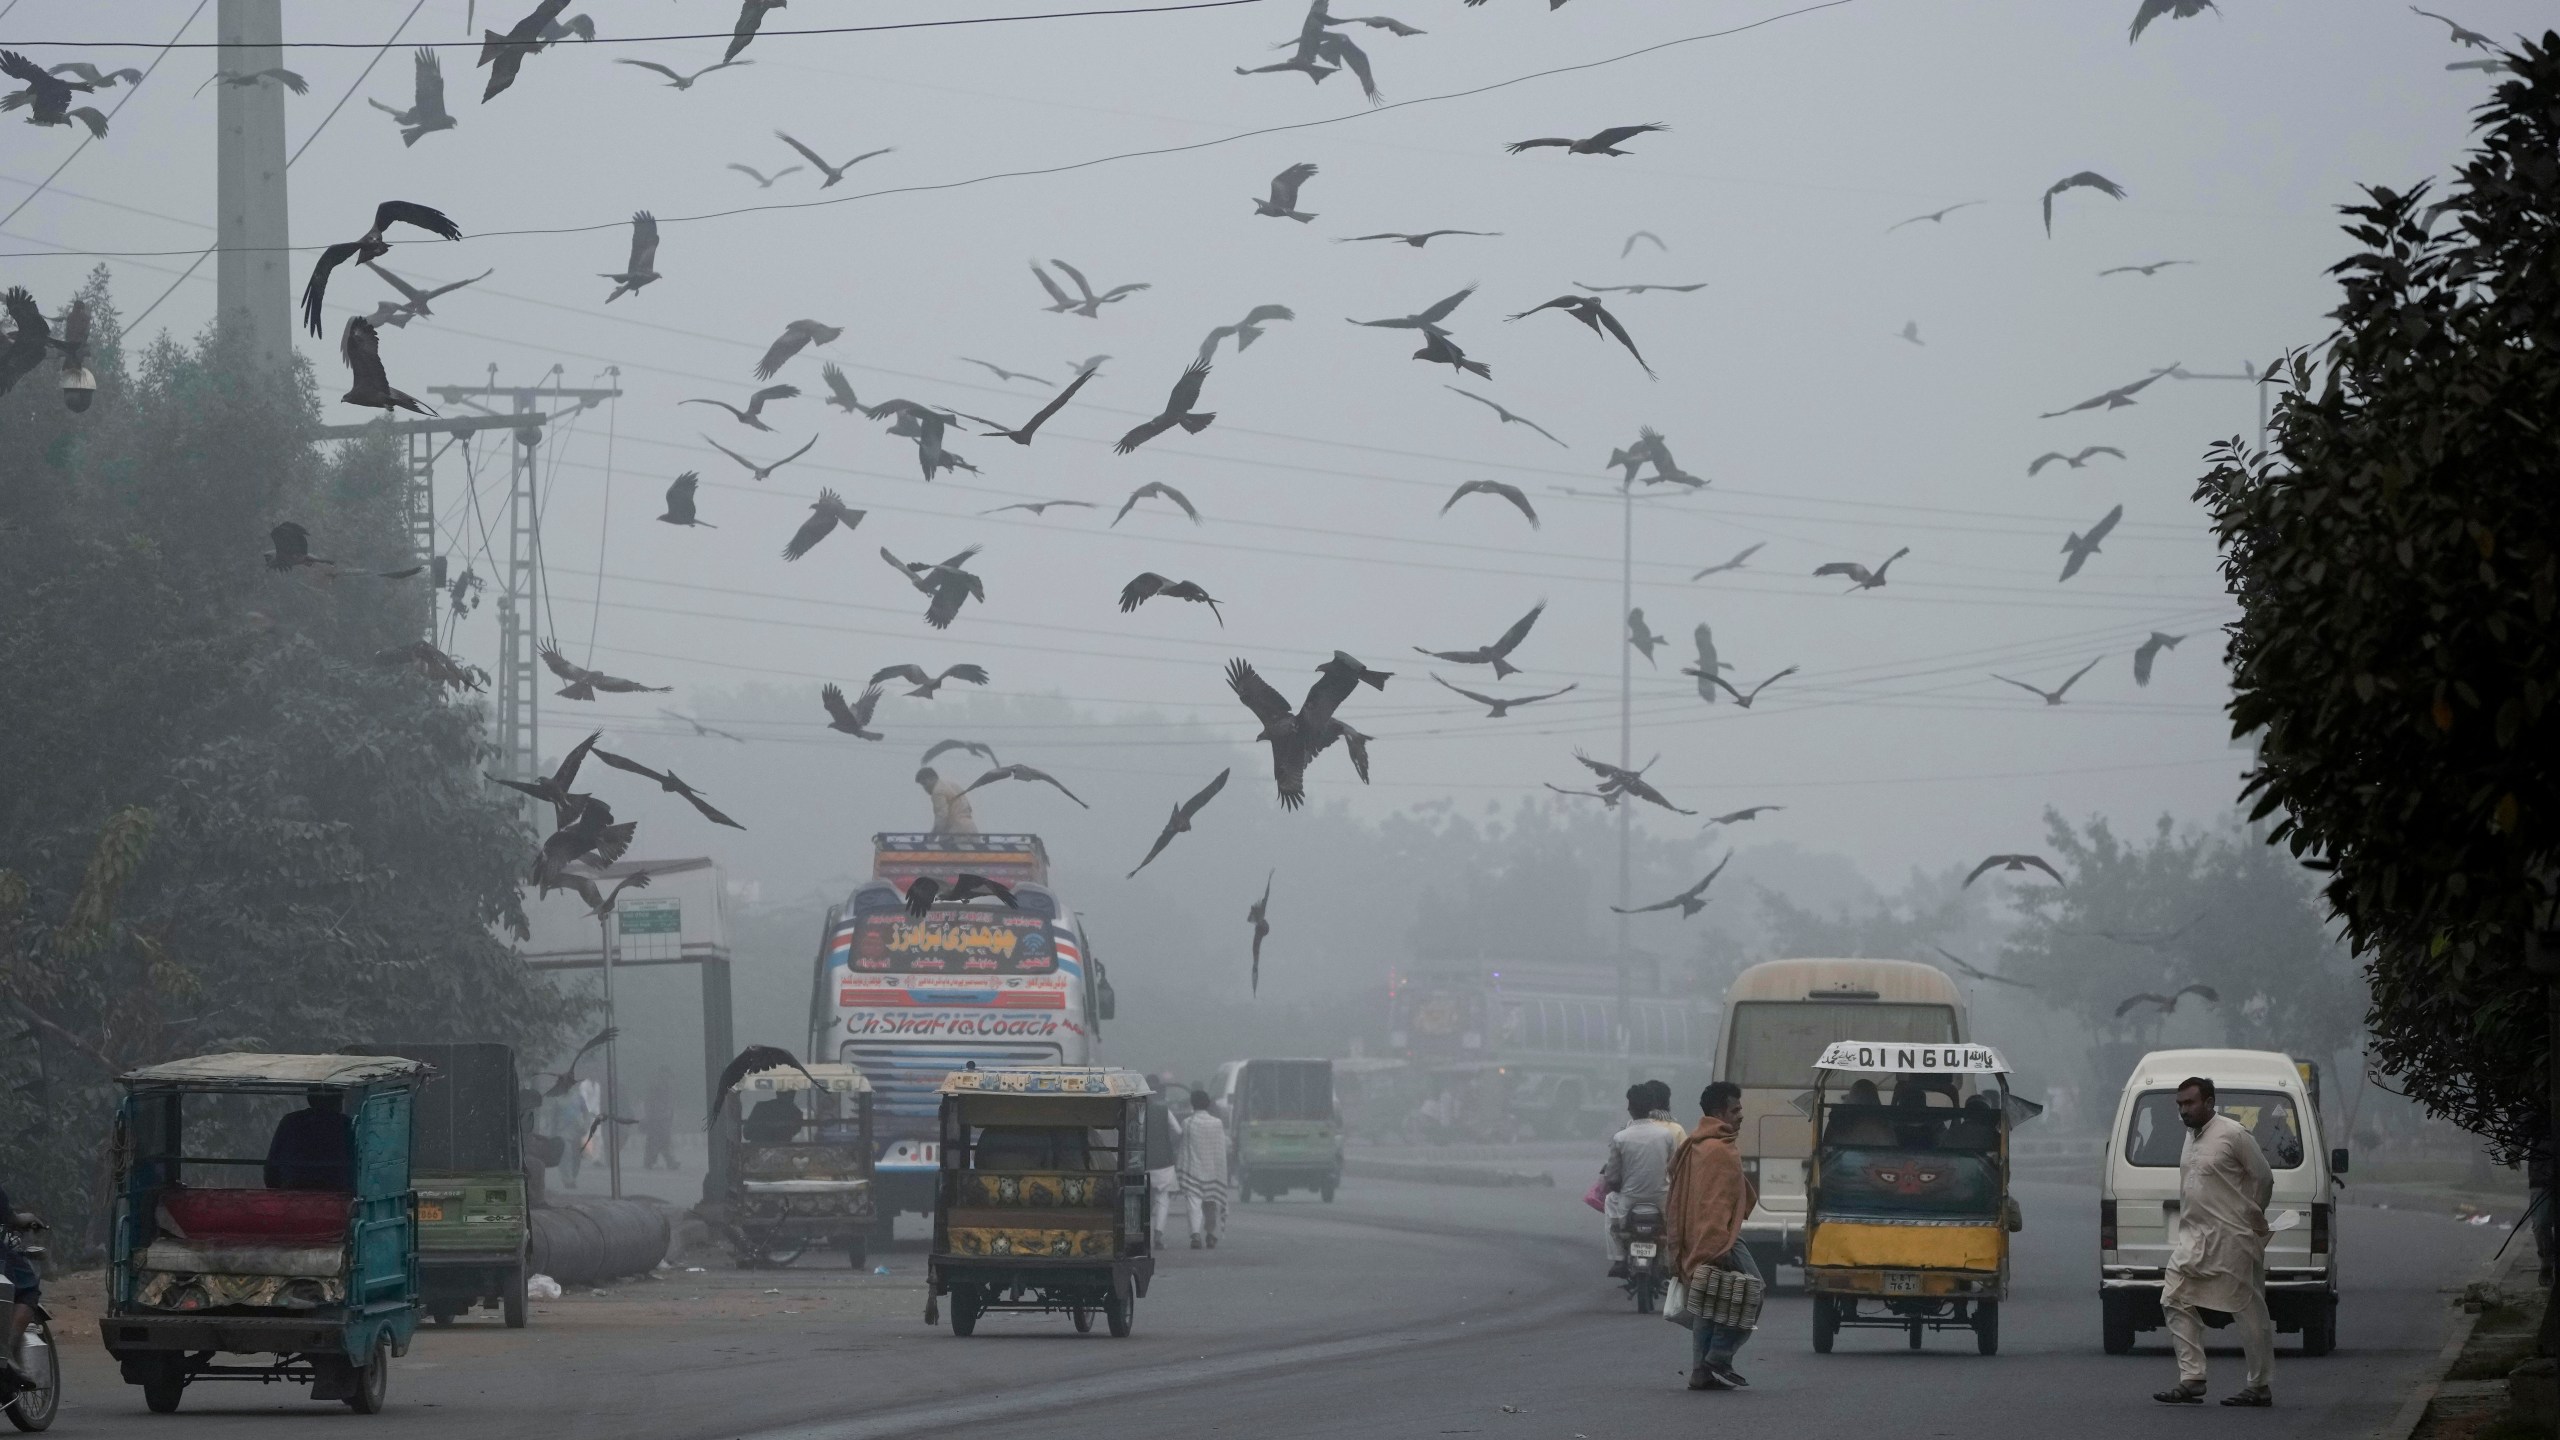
(1402, 1309)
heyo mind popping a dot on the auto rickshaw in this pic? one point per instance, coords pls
(466, 1158)
(310, 1258)
(1041, 1201)
(1907, 1206)
(799, 1167)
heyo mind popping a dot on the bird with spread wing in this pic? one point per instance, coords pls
(1022, 434)
(1859, 576)
(753, 416)
(1085, 303)
(795, 337)
(833, 173)
(1181, 819)
(2053, 696)
(1025, 772)
(829, 512)
(2015, 863)
(677, 80)
(1975, 972)
(1497, 654)
(1604, 143)
(1282, 202)
(1744, 698)
(2076, 462)
(926, 685)
(367, 385)
(584, 683)
(1689, 902)
(853, 718)
(1298, 736)
(1177, 411)
(750, 1061)
(947, 585)
(2149, 651)
(369, 246)
(1513, 493)
(1258, 915)
(925, 892)
(1498, 707)
(680, 502)
(1618, 780)
(1735, 563)
(426, 113)
(642, 267)
(2080, 180)
(2080, 547)
(1245, 331)
(1149, 585)
(1507, 417)
(1589, 310)
(761, 472)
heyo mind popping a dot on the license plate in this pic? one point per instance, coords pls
(1901, 1282)
(1641, 1249)
(430, 1212)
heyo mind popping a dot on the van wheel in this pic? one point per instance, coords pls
(511, 1300)
(1826, 1324)
(2115, 1324)
(2320, 1329)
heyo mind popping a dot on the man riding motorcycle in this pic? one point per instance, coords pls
(1638, 1168)
(21, 1274)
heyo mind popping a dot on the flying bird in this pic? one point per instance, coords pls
(1282, 203)
(2146, 271)
(824, 516)
(2053, 696)
(1975, 972)
(1002, 373)
(2018, 863)
(1439, 349)
(853, 719)
(1387, 23)
(1934, 217)
(1651, 449)
(590, 834)
(566, 1078)
(1689, 901)
(47, 98)
(833, 173)
(600, 903)
(702, 731)
(2115, 399)
(1735, 563)
(426, 113)
(1259, 917)
(2080, 547)
(1022, 435)
(754, 1058)
(751, 15)
(2462, 35)
(1748, 812)
(504, 55)
(242, 79)
(1025, 772)
(1619, 780)
(1426, 320)
(554, 789)
(1508, 418)
(370, 246)
(1604, 143)
(1177, 411)
(584, 683)
(753, 416)
(795, 337)
(947, 585)
(2172, 9)
(1415, 238)
(945, 747)
(1637, 289)
(1859, 576)
(682, 82)
(643, 264)
(760, 472)
(1042, 507)
(1512, 493)
(91, 76)
(1911, 331)
(763, 181)
(1245, 331)
(1087, 303)
(2148, 651)
(1609, 798)
(2083, 180)
(2168, 1004)
(1149, 585)
(1708, 667)
(360, 345)
(2484, 65)
(433, 663)
(1181, 819)
(925, 892)
(1590, 311)
(669, 782)
(1630, 247)
(414, 300)
(1641, 635)
(1497, 654)
(1498, 707)
(927, 684)
(1744, 698)
(2074, 461)
(1298, 736)
(292, 547)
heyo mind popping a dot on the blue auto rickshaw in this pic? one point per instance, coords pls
(263, 1208)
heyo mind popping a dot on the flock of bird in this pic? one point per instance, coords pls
(587, 838)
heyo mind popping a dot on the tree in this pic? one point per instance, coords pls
(2394, 560)
(222, 824)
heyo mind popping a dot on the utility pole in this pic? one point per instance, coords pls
(519, 670)
(253, 272)
(1626, 738)
(2248, 372)
(605, 926)
(421, 436)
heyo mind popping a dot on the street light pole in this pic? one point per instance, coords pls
(612, 1074)
(2250, 373)
(1626, 735)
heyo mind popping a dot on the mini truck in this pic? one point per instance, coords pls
(466, 1158)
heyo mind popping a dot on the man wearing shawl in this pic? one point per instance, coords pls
(1709, 1199)
(2218, 1248)
(1203, 1167)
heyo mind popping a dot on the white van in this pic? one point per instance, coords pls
(2138, 1190)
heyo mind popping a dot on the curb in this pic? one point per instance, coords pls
(1430, 1173)
(2413, 1411)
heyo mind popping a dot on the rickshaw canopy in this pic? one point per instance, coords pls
(1077, 1080)
(245, 1070)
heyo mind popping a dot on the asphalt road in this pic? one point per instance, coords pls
(1401, 1310)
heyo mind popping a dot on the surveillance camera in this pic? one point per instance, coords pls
(79, 387)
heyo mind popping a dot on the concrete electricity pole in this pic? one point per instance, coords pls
(253, 272)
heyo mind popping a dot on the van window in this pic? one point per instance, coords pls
(1775, 1042)
(2155, 1135)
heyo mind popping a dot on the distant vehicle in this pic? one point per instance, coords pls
(800, 1172)
(466, 1160)
(909, 1001)
(1501, 1052)
(2275, 1096)
(1285, 1129)
(1779, 1017)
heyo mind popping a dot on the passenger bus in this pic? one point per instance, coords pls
(1779, 1015)
(1501, 1052)
(908, 1001)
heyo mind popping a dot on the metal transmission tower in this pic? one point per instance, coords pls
(519, 671)
(253, 272)
(423, 449)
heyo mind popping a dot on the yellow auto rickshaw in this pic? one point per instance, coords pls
(1907, 1206)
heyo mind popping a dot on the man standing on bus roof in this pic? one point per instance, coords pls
(951, 813)
(1639, 1163)
(1703, 1210)
(2218, 1250)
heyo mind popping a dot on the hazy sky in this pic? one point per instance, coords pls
(1792, 148)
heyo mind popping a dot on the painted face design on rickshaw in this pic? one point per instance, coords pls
(1907, 1176)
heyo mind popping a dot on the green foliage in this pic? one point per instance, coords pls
(2398, 584)
(222, 825)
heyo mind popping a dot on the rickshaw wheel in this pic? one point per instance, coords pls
(1327, 1192)
(1826, 1324)
(1915, 1334)
(857, 1253)
(373, 1382)
(964, 1310)
(1121, 1313)
(1986, 1326)
(1084, 1319)
(162, 1392)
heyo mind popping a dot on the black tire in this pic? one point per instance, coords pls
(161, 1392)
(1915, 1334)
(34, 1409)
(1120, 1312)
(511, 1302)
(439, 1315)
(857, 1253)
(1986, 1326)
(1084, 1319)
(373, 1380)
(2320, 1328)
(2115, 1323)
(1327, 1191)
(964, 1310)
(1826, 1324)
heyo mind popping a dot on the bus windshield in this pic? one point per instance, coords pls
(1775, 1042)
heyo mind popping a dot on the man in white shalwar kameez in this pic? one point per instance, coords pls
(1203, 1171)
(2218, 1250)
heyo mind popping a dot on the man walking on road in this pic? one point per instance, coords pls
(1708, 1199)
(1639, 1163)
(1203, 1169)
(2218, 1253)
(1164, 1147)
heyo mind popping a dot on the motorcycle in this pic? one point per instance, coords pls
(32, 1407)
(1647, 1277)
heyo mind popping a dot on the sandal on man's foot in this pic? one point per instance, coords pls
(2180, 1395)
(2250, 1399)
